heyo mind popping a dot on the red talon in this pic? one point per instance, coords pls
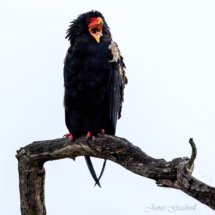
(102, 131)
(89, 135)
(69, 136)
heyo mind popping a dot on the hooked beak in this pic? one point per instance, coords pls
(95, 28)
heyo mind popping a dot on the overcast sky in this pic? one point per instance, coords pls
(169, 51)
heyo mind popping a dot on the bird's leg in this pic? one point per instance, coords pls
(69, 136)
(102, 131)
(89, 135)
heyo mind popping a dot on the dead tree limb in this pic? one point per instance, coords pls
(175, 174)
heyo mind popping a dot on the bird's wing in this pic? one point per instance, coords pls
(70, 79)
(116, 85)
(73, 64)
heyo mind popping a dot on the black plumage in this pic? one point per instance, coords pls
(94, 77)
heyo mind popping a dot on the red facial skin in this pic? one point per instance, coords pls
(95, 28)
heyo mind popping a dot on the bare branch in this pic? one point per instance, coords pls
(190, 165)
(175, 174)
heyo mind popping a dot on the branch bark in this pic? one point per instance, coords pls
(174, 174)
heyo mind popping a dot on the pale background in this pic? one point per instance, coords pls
(169, 50)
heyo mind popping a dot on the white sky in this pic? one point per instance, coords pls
(169, 50)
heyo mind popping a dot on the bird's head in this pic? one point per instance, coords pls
(92, 23)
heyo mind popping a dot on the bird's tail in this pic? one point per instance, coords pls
(102, 171)
(92, 171)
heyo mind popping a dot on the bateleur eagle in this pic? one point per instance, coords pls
(94, 80)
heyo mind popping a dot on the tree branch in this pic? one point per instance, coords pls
(175, 174)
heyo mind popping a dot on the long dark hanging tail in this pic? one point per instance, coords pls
(92, 171)
(102, 171)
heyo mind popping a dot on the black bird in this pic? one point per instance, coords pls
(94, 80)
